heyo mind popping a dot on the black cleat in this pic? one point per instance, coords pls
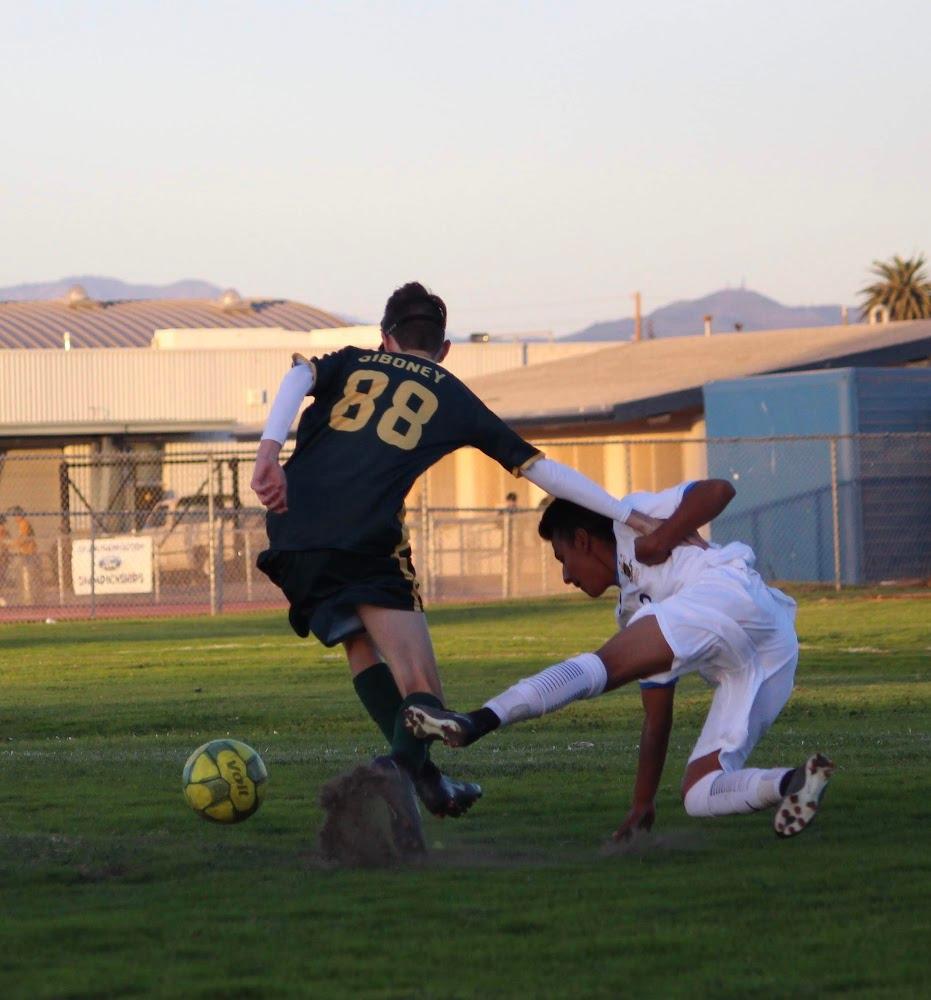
(443, 795)
(398, 794)
(453, 728)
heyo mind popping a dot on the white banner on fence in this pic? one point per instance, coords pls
(122, 565)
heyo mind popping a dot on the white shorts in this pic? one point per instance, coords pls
(740, 636)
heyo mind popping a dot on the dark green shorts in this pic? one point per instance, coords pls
(325, 586)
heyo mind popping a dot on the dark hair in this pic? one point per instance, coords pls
(562, 517)
(416, 318)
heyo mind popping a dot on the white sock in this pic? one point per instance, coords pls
(584, 676)
(725, 793)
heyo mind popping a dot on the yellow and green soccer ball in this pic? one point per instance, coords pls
(224, 781)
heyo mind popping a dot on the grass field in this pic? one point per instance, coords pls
(112, 887)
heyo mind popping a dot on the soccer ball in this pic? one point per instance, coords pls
(224, 781)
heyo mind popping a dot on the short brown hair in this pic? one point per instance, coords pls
(416, 318)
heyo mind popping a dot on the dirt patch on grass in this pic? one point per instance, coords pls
(645, 842)
(371, 821)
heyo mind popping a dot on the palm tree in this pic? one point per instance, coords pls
(903, 288)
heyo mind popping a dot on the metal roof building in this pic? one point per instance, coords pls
(65, 394)
(78, 321)
(62, 408)
(630, 382)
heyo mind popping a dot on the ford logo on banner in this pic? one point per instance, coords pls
(120, 564)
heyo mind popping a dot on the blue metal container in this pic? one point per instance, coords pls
(786, 493)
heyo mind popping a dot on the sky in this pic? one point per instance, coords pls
(534, 163)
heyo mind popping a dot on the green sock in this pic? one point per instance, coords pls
(405, 746)
(380, 695)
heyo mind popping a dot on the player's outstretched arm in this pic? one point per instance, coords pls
(702, 503)
(569, 484)
(268, 478)
(654, 741)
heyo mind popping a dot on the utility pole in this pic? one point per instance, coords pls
(636, 316)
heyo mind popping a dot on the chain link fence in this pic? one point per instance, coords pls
(96, 535)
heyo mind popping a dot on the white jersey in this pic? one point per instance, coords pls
(641, 584)
(721, 621)
(718, 616)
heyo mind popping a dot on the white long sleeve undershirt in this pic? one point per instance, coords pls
(568, 484)
(296, 384)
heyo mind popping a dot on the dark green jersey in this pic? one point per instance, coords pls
(378, 420)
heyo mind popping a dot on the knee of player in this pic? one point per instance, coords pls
(693, 804)
(684, 790)
(695, 796)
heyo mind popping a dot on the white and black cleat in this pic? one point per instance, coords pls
(800, 805)
(453, 728)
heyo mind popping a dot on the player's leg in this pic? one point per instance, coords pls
(802, 788)
(709, 790)
(745, 704)
(404, 640)
(717, 784)
(324, 590)
(638, 651)
(795, 792)
(376, 688)
(373, 682)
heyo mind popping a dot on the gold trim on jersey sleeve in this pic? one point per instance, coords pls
(299, 359)
(521, 469)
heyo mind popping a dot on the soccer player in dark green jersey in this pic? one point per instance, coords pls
(338, 547)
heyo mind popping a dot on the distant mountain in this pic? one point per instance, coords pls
(109, 289)
(727, 308)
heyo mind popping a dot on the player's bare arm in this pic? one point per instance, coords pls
(645, 524)
(703, 502)
(268, 478)
(654, 742)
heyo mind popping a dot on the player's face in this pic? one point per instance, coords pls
(583, 564)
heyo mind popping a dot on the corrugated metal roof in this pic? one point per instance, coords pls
(630, 381)
(132, 323)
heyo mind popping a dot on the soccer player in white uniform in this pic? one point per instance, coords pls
(682, 609)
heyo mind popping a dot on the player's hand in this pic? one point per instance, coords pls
(643, 524)
(694, 538)
(642, 816)
(268, 478)
(651, 550)
(657, 550)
